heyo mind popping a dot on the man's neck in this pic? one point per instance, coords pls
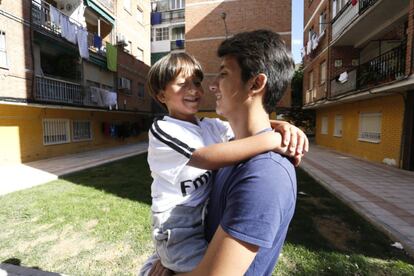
(249, 123)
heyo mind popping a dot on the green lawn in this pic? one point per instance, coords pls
(97, 222)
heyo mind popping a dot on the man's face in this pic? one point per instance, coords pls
(228, 87)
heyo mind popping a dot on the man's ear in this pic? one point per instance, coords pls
(161, 97)
(258, 84)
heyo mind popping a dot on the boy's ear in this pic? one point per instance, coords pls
(258, 84)
(161, 97)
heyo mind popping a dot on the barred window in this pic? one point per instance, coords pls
(370, 127)
(81, 130)
(56, 131)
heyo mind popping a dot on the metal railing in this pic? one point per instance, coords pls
(172, 16)
(41, 18)
(384, 68)
(365, 5)
(59, 91)
(342, 20)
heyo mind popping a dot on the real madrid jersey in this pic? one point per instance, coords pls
(171, 144)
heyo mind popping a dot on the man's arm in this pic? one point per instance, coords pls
(225, 256)
(225, 154)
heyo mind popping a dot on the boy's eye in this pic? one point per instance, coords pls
(197, 83)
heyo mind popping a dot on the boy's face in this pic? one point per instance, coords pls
(228, 87)
(182, 97)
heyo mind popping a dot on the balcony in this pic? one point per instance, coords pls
(58, 91)
(41, 19)
(178, 44)
(167, 17)
(368, 20)
(385, 68)
(109, 4)
(339, 88)
(64, 92)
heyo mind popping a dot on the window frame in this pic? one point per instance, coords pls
(338, 128)
(363, 128)
(3, 50)
(140, 54)
(75, 139)
(325, 72)
(324, 125)
(141, 90)
(52, 128)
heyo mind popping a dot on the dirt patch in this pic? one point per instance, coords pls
(71, 245)
(91, 224)
(112, 253)
(336, 232)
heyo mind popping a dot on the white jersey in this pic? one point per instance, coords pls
(171, 143)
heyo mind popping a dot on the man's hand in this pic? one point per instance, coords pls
(293, 138)
(159, 270)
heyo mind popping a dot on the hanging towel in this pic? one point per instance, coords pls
(97, 41)
(82, 36)
(343, 77)
(68, 29)
(354, 2)
(179, 43)
(111, 57)
(156, 18)
(54, 16)
(309, 47)
(78, 15)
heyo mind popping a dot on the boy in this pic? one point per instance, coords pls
(182, 150)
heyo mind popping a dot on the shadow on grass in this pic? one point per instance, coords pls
(129, 178)
(322, 223)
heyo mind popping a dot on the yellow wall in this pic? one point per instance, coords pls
(392, 109)
(21, 132)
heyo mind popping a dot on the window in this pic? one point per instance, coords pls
(3, 52)
(161, 34)
(370, 127)
(338, 126)
(323, 73)
(178, 33)
(177, 4)
(324, 125)
(310, 33)
(141, 90)
(322, 22)
(140, 54)
(140, 16)
(337, 6)
(55, 131)
(124, 84)
(81, 130)
(128, 47)
(311, 80)
(127, 5)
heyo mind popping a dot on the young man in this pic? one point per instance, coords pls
(252, 203)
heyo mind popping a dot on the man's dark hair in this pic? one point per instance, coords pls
(261, 51)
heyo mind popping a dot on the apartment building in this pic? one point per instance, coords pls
(208, 23)
(72, 75)
(168, 27)
(358, 78)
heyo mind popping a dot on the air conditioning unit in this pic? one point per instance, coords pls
(124, 83)
(120, 39)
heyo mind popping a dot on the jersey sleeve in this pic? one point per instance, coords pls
(224, 129)
(167, 155)
(259, 204)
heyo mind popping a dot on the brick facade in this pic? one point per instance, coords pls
(205, 29)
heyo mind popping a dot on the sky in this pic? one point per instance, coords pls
(297, 29)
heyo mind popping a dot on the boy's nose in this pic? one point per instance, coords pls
(213, 88)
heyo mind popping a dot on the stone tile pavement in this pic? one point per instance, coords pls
(382, 194)
(22, 176)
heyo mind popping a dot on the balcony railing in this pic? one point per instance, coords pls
(384, 68)
(58, 91)
(172, 16)
(41, 18)
(346, 16)
(365, 4)
(178, 44)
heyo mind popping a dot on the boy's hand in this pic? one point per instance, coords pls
(292, 137)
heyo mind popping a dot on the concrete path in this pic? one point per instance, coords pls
(22, 176)
(382, 194)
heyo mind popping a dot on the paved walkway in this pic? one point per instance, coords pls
(382, 194)
(21, 176)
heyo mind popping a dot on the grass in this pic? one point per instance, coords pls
(97, 222)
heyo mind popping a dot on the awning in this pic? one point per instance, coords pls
(94, 6)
